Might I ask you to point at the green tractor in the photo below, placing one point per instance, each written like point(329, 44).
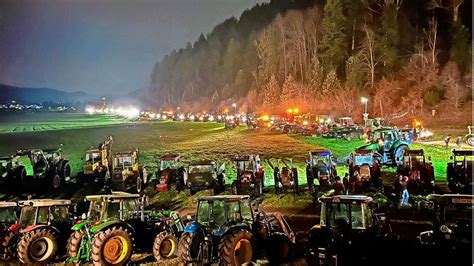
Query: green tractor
point(227, 231)
point(387, 145)
point(8, 216)
point(349, 232)
point(117, 225)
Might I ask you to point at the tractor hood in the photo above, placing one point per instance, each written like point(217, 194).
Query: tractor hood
point(368, 147)
point(191, 227)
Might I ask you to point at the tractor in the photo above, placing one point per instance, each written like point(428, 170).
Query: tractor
point(348, 232)
point(250, 175)
point(227, 231)
point(8, 216)
point(169, 173)
point(452, 223)
point(127, 172)
point(48, 167)
point(469, 136)
point(11, 172)
point(205, 175)
point(285, 177)
point(97, 163)
point(38, 236)
point(459, 171)
point(367, 168)
point(320, 166)
point(117, 225)
point(419, 170)
point(387, 145)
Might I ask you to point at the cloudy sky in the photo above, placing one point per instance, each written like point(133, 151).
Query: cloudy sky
point(99, 46)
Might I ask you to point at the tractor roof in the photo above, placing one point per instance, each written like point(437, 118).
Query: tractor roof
point(452, 198)
point(224, 198)
point(202, 162)
point(5, 158)
point(6, 204)
point(114, 195)
point(323, 152)
point(346, 199)
point(51, 150)
point(169, 157)
point(414, 152)
point(239, 158)
point(92, 150)
point(463, 152)
point(122, 153)
point(44, 202)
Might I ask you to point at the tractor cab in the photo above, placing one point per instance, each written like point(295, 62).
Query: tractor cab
point(346, 212)
point(127, 172)
point(387, 144)
point(43, 212)
point(8, 214)
point(459, 171)
point(205, 175)
point(124, 160)
point(419, 170)
point(366, 166)
point(250, 175)
point(452, 221)
point(345, 121)
point(93, 159)
point(170, 173)
point(53, 155)
point(320, 166)
point(117, 206)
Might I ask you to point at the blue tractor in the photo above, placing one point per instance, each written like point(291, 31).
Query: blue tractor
point(227, 231)
point(320, 166)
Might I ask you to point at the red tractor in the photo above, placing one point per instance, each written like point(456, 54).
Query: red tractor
point(250, 175)
point(169, 173)
point(285, 177)
point(419, 171)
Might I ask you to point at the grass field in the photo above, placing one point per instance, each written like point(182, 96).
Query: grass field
point(194, 141)
point(33, 122)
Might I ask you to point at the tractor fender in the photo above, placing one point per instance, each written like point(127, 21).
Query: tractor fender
point(108, 224)
point(79, 225)
point(397, 144)
point(35, 227)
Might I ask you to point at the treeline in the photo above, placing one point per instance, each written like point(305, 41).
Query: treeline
point(407, 57)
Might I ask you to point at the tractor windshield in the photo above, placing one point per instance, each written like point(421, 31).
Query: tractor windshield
point(7, 215)
point(122, 162)
point(164, 164)
point(200, 169)
point(92, 157)
point(28, 215)
point(95, 210)
point(334, 214)
point(211, 213)
point(246, 166)
point(320, 161)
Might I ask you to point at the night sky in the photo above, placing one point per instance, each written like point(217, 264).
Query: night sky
point(99, 46)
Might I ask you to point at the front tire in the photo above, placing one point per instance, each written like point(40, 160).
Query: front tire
point(236, 248)
point(73, 244)
point(111, 247)
point(37, 247)
point(9, 246)
point(165, 246)
point(188, 247)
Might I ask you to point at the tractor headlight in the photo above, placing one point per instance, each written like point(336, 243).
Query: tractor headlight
point(445, 229)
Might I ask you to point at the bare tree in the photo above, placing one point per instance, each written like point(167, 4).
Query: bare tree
point(432, 37)
point(368, 54)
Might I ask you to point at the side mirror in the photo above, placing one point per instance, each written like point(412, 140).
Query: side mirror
point(83, 216)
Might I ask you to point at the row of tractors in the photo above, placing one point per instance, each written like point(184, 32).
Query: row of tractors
point(228, 230)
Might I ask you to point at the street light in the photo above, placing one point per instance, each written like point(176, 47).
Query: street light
point(365, 100)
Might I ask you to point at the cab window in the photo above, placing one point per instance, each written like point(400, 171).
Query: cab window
point(43, 213)
point(60, 213)
point(246, 211)
point(233, 211)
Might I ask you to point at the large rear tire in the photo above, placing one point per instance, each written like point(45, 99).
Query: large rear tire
point(9, 246)
point(37, 247)
point(398, 155)
point(236, 248)
point(74, 243)
point(165, 246)
point(188, 247)
point(66, 172)
point(111, 247)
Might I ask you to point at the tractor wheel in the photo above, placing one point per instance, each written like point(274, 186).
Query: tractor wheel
point(165, 246)
point(278, 248)
point(144, 176)
point(301, 244)
point(188, 247)
point(66, 172)
point(111, 247)
point(236, 248)
point(37, 247)
point(74, 243)
point(20, 175)
point(469, 141)
point(398, 155)
point(9, 246)
point(139, 184)
point(55, 181)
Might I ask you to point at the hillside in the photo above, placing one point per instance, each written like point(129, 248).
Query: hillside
point(40, 95)
point(406, 56)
